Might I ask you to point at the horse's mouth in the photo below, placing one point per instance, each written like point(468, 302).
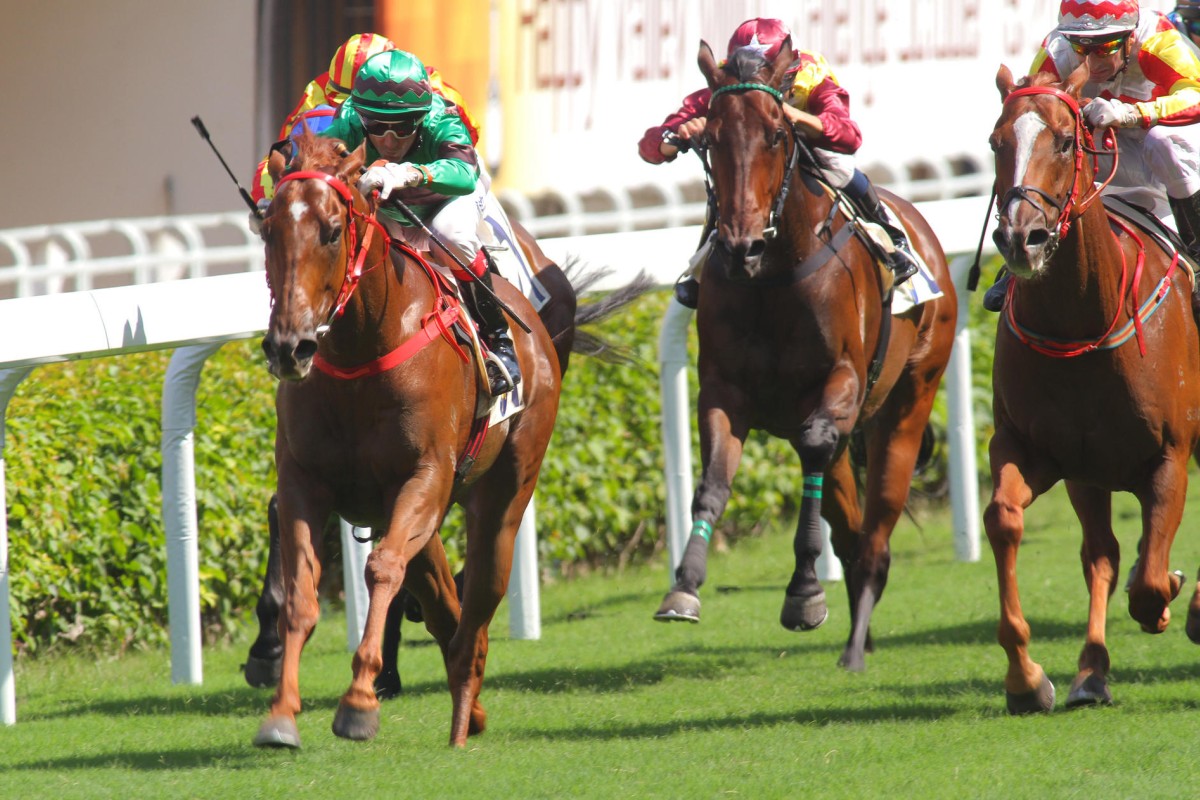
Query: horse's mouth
point(1026, 254)
point(742, 261)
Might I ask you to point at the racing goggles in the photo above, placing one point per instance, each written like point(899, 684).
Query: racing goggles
point(403, 126)
point(1088, 46)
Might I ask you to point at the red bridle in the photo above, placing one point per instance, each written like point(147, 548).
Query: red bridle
point(355, 255)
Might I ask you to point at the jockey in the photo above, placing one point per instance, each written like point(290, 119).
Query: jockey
point(1145, 78)
point(1186, 19)
point(818, 108)
point(420, 152)
point(330, 89)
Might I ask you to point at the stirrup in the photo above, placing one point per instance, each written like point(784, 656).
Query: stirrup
point(993, 298)
point(500, 382)
point(903, 266)
point(687, 292)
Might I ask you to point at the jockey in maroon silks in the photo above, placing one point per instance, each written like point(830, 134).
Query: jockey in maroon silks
point(818, 108)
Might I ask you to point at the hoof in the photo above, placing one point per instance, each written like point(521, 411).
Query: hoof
point(1089, 690)
point(262, 673)
point(852, 662)
point(1193, 625)
point(804, 613)
point(1039, 700)
point(351, 723)
point(387, 685)
point(679, 606)
point(278, 732)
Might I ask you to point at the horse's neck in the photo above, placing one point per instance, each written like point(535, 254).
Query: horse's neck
point(384, 310)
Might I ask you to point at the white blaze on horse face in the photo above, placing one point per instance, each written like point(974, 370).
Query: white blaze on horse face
point(298, 209)
point(1026, 129)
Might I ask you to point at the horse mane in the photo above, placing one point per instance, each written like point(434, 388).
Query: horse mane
point(745, 64)
point(310, 151)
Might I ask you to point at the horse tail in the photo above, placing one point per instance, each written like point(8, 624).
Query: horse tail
point(591, 344)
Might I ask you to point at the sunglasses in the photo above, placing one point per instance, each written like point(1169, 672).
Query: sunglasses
point(1091, 47)
point(403, 127)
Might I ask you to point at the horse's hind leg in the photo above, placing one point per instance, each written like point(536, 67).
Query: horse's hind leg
point(1101, 557)
point(722, 435)
point(266, 654)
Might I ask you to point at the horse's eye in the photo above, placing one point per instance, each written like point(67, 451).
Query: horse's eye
point(1068, 145)
point(779, 134)
point(330, 236)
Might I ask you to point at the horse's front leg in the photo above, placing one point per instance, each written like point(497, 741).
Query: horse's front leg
point(303, 510)
point(417, 512)
point(266, 653)
point(1101, 557)
point(723, 431)
point(804, 606)
point(1153, 586)
point(1026, 686)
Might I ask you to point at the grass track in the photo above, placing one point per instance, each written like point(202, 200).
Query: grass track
point(611, 704)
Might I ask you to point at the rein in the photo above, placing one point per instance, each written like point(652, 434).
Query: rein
point(437, 323)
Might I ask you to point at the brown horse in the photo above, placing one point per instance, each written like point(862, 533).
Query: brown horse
point(564, 319)
point(791, 316)
point(1096, 378)
point(384, 434)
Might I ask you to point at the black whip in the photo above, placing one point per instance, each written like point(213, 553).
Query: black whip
point(203, 131)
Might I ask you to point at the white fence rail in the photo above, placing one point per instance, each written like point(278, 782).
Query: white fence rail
point(197, 316)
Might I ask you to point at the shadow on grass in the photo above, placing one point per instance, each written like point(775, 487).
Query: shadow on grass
point(149, 761)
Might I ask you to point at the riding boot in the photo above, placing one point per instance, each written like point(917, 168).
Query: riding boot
point(504, 371)
point(687, 288)
point(900, 261)
point(1187, 222)
point(993, 298)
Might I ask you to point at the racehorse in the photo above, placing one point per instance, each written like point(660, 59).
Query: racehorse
point(564, 319)
point(793, 332)
point(377, 422)
point(1096, 379)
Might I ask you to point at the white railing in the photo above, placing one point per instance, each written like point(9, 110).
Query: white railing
point(197, 316)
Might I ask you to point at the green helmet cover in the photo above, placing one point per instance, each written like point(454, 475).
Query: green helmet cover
point(392, 84)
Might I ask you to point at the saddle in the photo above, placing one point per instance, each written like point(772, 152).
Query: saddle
point(1147, 222)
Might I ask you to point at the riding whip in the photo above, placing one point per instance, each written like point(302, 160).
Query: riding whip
point(203, 131)
point(408, 212)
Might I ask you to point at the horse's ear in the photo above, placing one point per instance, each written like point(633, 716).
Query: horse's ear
point(708, 65)
point(1076, 80)
point(779, 67)
point(352, 160)
point(276, 161)
point(1004, 81)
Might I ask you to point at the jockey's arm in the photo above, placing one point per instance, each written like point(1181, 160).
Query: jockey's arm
point(808, 124)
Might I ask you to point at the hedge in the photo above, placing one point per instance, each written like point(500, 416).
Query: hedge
point(87, 549)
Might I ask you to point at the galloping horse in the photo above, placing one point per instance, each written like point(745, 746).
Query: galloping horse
point(791, 317)
point(384, 432)
point(563, 319)
point(1096, 379)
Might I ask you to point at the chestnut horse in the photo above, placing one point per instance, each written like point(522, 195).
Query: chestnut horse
point(791, 316)
point(564, 319)
point(383, 433)
point(1096, 379)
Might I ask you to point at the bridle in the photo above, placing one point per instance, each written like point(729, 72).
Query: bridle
point(356, 254)
point(1073, 207)
point(776, 213)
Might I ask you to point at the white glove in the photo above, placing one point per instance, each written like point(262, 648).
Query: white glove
point(1105, 113)
point(389, 177)
point(255, 220)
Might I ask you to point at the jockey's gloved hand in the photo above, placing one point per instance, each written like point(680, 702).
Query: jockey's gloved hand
point(389, 177)
point(256, 218)
point(1105, 113)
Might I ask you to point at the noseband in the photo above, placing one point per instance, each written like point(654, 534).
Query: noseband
point(772, 229)
point(355, 254)
point(1083, 143)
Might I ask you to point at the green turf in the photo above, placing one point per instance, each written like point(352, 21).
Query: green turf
point(612, 704)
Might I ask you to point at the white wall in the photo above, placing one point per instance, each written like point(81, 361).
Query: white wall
point(98, 98)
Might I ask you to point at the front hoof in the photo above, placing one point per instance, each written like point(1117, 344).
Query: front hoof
point(1089, 689)
point(387, 685)
point(278, 732)
point(1038, 701)
point(804, 613)
point(1193, 624)
point(262, 673)
point(352, 723)
point(852, 662)
point(679, 606)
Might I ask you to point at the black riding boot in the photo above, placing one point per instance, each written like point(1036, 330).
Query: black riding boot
point(993, 298)
point(901, 262)
point(1187, 222)
point(493, 327)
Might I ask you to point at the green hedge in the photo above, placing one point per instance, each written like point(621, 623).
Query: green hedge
point(87, 554)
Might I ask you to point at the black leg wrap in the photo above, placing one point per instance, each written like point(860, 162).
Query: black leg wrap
point(504, 371)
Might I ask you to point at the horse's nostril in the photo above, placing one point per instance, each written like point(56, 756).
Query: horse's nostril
point(305, 349)
point(1038, 237)
point(268, 347)
point(756, 249)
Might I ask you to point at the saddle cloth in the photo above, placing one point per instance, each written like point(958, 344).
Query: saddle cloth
point(918, 289)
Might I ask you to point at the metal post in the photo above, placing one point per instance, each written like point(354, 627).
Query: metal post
point(354, 568)
point(964, 476)
point(676, 427)
point(9, 380)
point(524, 599)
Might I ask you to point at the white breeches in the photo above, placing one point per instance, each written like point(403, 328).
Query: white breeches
point(1164, 159)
